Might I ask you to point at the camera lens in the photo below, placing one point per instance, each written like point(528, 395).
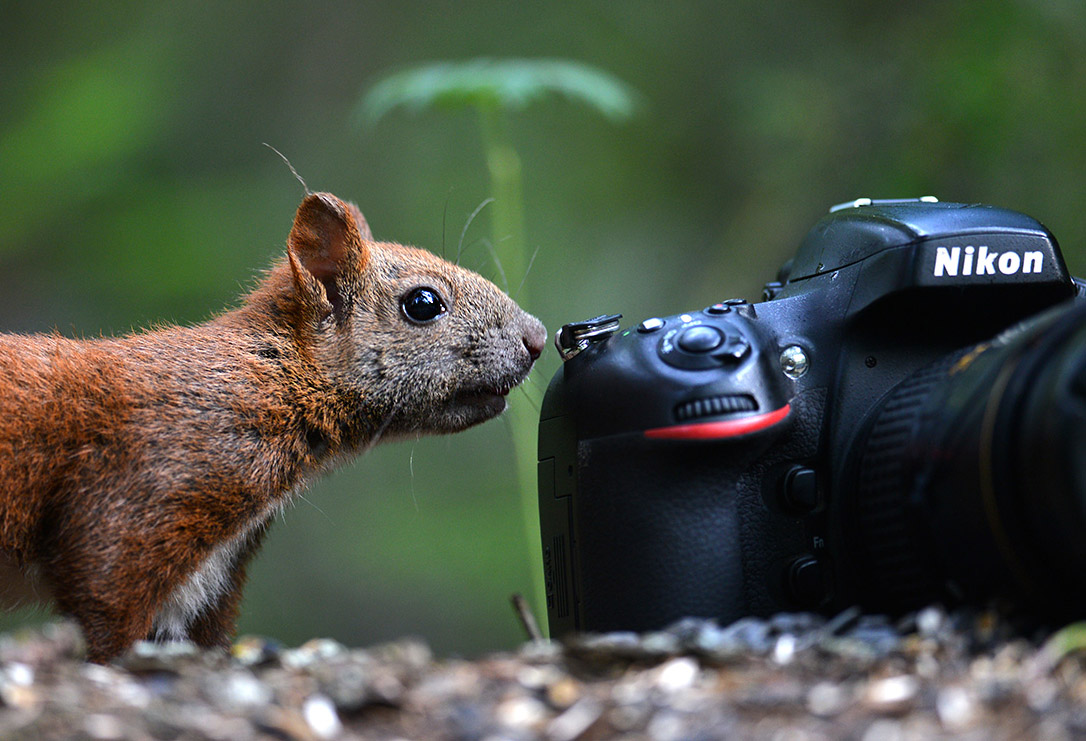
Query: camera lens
point(971, 482)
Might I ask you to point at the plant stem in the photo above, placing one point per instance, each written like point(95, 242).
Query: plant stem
point(508, 237)
point(507, 216)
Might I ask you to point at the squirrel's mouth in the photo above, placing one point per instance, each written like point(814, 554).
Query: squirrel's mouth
point(484, 395)
point(484, 401)
point(476, 402)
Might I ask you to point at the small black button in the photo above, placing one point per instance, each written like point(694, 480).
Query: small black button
point(718, 309)
point(700, 339)
point(806, 581)
point(799, 489)
point(736, 302)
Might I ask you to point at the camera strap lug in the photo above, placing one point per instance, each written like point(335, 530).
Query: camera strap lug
point(574, 337)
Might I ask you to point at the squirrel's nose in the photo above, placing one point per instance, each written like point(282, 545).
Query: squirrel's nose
point(534, 337)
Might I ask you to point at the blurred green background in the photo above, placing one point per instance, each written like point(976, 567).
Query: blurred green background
point(135, 189)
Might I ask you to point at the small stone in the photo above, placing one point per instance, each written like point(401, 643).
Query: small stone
point(574, 721)
point(792, 733)
point(784, 650)
point(410, 653)
point(100, 675)
point(1041, 694)
point(604, 645)
point(102, 726)
point(893, 694)
point(626, 718)
point(955, 707)
point(667, 726)
point(826, 699)
point(660, 644)
point(148, 656)
point(285, 723)
point(18, 674)
point(1051, 729)
point(255, 650)
point(564, 692)
point(742, 636)
point(884, 730)
point(17, 696)
point(876, 632)
point(321, 717)
point(238, 691)
point(677, 674)
point(633, 689)
point(796, 623)
point(537, 677)
point(17, 686)
point(351, 684)
point(521, 713)
point(929, 621)
point(131, 693)
point(927, 666)
point(540, 651)
point(318, 649)
point(687, 629)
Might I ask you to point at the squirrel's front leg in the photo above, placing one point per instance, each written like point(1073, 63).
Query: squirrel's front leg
point(215, 625)
point(121, 589)
point(112, 615)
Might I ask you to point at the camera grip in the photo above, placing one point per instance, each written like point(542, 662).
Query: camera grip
point(658, 527)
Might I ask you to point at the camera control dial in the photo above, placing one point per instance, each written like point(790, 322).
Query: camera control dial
point(700, 339)
point(703, 346)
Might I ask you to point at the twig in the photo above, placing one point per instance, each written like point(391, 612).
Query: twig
point(527, 619)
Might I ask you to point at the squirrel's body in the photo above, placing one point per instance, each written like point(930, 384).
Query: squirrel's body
point(138, 474)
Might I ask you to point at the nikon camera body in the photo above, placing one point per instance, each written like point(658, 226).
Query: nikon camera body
point(901, 420)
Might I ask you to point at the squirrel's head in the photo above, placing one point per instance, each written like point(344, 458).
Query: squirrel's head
point(426, 345)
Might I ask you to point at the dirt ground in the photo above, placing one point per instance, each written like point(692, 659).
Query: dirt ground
point(791, 677)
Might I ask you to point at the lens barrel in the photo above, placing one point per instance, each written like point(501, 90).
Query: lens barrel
point(971, 481)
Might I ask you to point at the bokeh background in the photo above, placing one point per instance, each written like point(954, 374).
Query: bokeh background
point(134, 189)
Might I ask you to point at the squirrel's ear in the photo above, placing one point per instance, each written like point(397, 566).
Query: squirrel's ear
point(327, 241)
point(360, 222)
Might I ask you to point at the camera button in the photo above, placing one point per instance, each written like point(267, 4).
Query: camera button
point(700, 339)
point(735, 347)
point(806, 581)
point(718, 309)
point(800, 489)
point(650, 325)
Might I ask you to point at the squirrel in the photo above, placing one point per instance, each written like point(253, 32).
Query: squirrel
point(138, 474)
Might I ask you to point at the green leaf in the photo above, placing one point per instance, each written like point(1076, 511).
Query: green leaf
point(1066, 641)
point(507, 84)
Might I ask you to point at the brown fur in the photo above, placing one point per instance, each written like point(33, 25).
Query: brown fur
point(126, 463)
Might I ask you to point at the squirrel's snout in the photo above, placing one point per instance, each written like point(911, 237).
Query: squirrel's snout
point(534, 337)
point(534, 350)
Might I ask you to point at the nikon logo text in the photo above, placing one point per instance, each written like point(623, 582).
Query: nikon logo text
point(982, 261)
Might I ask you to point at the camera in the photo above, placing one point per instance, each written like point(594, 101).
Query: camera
point(900, 420)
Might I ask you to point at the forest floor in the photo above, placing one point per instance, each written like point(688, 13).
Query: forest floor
point(790, 677)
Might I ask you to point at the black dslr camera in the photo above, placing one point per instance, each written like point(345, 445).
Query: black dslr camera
point(901, 420)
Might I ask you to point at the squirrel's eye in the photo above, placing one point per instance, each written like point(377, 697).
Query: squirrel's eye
point(422, 305)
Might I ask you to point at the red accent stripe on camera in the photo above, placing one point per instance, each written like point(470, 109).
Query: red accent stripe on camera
point(721, 429)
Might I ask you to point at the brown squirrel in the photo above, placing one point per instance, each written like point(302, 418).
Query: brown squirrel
point(138, 474)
